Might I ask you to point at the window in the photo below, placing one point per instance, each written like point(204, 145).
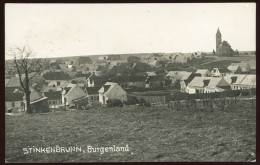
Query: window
point(54, 102)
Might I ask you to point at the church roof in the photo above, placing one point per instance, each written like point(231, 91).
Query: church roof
point(224, 44)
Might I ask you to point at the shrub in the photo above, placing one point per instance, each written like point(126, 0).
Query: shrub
point(244, 93)
point(132, 101)
point(114, 103)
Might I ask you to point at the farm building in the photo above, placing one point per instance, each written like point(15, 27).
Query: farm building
point(111, 91)
point(207, 85)
point(70, 93)
point(14, 101)
point(241, 81)
point(245, 68)
point(204, 72)
point(220, 72)
point(54, 99)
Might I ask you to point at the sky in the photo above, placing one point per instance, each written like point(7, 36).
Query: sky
point(59, 30)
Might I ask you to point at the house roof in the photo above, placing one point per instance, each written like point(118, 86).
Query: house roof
point(56, 76)
point(6, 82)
point(92, 90)
point(154, 78)
point(13, 82)
point(239, 78)
point(249, 80)
point(56, 95)
point(10, 97)
point(202, 71)
point(150, 73)
point(35, 95)
point(107, 87)
point(182, 75)
point(224, 44)
point(233, 68)
point(199, 81)
point(223, 70)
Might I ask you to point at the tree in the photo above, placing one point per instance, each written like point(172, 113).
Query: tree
point(133, 59)
point(27, 68)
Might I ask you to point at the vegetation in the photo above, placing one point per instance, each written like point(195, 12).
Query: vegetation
point(27, 68)
point(152, 134)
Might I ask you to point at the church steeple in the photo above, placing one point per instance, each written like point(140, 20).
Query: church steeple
point(218, 31)
point(218, 40)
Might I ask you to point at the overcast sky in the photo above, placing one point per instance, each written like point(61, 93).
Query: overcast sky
point(56, 30)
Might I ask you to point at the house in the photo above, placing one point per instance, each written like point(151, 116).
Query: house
point(38, 102)
point(96, 81)
point(245, 68)
point(56, 85)
point(207, 85)
point(54, 99)
point(220, 72)
point(121, 80)
point(71, 93)
point(136, 81)
point(81, 79)
point(57, 76)
point(111, 91)
point(184, 77)
point(235, 69)
point(14, 101)
point(64, 68)
point(92, 94)
point(241, 81)
point(154, 82)
point(204, 72)
point(141, 67)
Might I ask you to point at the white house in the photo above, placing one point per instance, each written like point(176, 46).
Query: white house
point(241, 81)
point(207, 85)
point(220, 72)
point(111, 91)
point(70, 93)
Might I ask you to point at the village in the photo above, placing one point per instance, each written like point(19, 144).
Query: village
point(84, 82)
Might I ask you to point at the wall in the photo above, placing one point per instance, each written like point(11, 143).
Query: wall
point(76, 93)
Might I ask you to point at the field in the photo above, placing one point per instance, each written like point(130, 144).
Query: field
point(153, 135)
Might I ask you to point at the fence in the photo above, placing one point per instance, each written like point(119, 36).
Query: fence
point(167, 97)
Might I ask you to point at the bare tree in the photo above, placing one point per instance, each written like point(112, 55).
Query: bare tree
point(27, 68)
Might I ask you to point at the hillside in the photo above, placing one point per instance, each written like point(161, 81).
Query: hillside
point(152, 134)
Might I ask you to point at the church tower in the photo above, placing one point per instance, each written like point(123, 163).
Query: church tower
point(218, 41)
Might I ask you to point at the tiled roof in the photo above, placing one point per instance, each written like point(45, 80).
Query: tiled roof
point(13, 82)
point(223, 70)
point(233, 68)
point(199, 81)
point(182, 75)
point(202, 71)
point(56, 95)
point(6, 81)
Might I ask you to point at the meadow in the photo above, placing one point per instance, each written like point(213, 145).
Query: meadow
point(153, 135)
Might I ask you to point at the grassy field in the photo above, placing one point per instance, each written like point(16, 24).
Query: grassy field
point(152, 135)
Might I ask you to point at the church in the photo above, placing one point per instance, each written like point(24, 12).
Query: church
point(222, 48)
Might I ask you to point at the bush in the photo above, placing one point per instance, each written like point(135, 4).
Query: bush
point(244, 93)
point(114, 103)
point(132, 101)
